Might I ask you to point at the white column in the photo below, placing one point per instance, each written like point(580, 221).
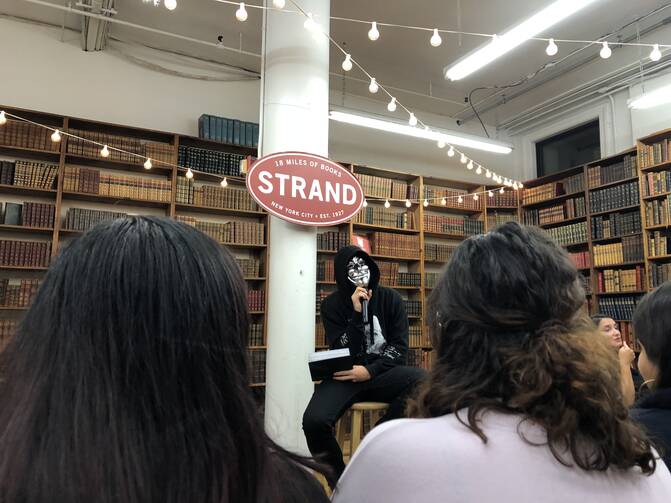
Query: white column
point(294, 116)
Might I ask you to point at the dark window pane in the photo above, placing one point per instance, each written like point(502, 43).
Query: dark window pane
point(574, 147)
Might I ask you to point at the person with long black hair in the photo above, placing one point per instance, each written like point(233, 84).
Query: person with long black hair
point(128, 379)
point(523, 403)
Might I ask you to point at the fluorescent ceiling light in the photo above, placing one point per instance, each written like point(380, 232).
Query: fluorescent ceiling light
point(457, 139)
point(648, 100)
point(539, 22)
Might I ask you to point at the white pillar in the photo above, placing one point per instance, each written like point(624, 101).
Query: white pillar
point(294, 116)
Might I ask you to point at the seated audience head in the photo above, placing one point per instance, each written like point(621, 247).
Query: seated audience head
point(511, 335)
point(128, 378)
point(652, 326)
point(608, 327)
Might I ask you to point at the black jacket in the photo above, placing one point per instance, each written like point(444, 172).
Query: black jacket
point(381, 345)
point(654, 412)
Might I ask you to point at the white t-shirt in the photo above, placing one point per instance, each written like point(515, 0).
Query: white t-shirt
point(440, 460)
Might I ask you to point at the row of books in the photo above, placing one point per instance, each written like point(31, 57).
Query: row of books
point(321, 295)
point(430, 279)
point(659, 273)
point(332, 240)
point(214, 196)
point(250, 267)
point(256, 300)
point(571, 208)
point(434, 252)
point(256, 334)
point(659, 243)
point(508, 199)
point(420, 358)
point(25, 135)
point(413, 307)
point(408, 279)
point(455, 226)
point(92, 181)
point(33, 174)
point(434, 195)
point(629, 250)
point(658, 212)
point(395, 245)
point(618, 308)
point(628, 336)
point(28, 214)
point(569, 185)
point(18, 293)
point(384, 188)
point(325, 270)
point(233, 131)
point(320, 335)
point(586, 279)
point(82, 219)
point(498, 218)
point(581, 259)
point(601, 175)
point(210, 161)
point(7, 330)
point(621, 280)
point(234, 232)
point(656, 183)
point(388, 272)
point(656, 153)
point(415, 338)
point(612, 198)
point(569, 234)
point(257, 364)
point(154, 150)
point(377, 215)
point(616, 224)
point(15, 253)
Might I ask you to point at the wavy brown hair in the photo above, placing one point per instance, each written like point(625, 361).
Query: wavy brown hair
point(511, 335)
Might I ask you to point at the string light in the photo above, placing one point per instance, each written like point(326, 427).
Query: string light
point(490, 193)
point(501, 191)
point(655, 54)
point(515, 186)
point(488, 174)
point(105, 151)
point(479, 170)
point(443, 201)
point(224, 182)
point(170, 4)
point(56, 136)
point(475, 197)
point(450, 153)
point(605, 51)
point(470, 165)
point(347, 63)
point(460, 200)
point(392, 105)
point(387, 204)
point(373, 33)
point(441, 144)
point(435, 40)
point(463, 159)
point(365, 203)
point(520, 185)
point(552, 48)
point(408, 203)
point(426, 203)
point(373, 87)
point(3, 119)
point(147, 163)
point(189, 174)
point(412, 120)
point(279, 4)
point(241, 13)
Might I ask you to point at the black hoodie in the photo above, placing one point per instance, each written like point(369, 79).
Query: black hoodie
point(654, 412)
point(381, 345)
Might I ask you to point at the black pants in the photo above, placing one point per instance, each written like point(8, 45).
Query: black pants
point(331, 400)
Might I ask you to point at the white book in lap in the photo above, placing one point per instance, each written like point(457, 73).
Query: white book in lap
point(323, 364)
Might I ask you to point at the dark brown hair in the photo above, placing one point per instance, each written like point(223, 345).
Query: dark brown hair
point(652, 325)
point(511, 336)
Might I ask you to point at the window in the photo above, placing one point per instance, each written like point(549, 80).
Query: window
point(574, 147)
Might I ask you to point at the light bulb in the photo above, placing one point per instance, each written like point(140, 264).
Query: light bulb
point(347, 63)
point(189, 174)
point(426, 203)
point(408, 203)
point(224, 183)
point(392, 105)
point(460, 200)
point(386, 204)
point(3, 119)
point(470, 165)
point(435, 38)
point(365, 203)
point(520, 185)
point(475, 197)
point(463, 159)
point(105, 151)
point(488, 174)
point(515, 186)
point(552, 48)
point(443, 201)
point(147, 163)
point(490, 194)
point(279, 4)
point(241, 13)
point(655, 54)
point(373, 87)
point(441, 144)
point(412, 120)
point(479, 170)
point(501, 191)
point(373, 33)
point(309, 23)
point(605, 51)
point(450, 153)
point(56, 136)
point(170, 4)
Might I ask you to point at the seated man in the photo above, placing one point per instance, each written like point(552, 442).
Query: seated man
point(371, 321)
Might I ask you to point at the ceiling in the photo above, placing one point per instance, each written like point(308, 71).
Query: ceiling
point(400, 58)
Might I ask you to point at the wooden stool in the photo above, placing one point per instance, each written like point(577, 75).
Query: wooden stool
point(356, 412)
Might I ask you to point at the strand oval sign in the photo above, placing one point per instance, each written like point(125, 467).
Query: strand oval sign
point(305, 189)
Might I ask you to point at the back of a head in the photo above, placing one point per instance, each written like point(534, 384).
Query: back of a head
point(652, 325)
point(510, 334)
point(128, 379)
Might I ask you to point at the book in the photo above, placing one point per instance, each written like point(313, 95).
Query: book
point(12, 214)
point(323, 364)
point(438, 252)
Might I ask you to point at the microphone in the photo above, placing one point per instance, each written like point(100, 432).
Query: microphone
point(364, 303)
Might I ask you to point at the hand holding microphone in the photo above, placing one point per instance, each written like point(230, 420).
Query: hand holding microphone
point(360, 299)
